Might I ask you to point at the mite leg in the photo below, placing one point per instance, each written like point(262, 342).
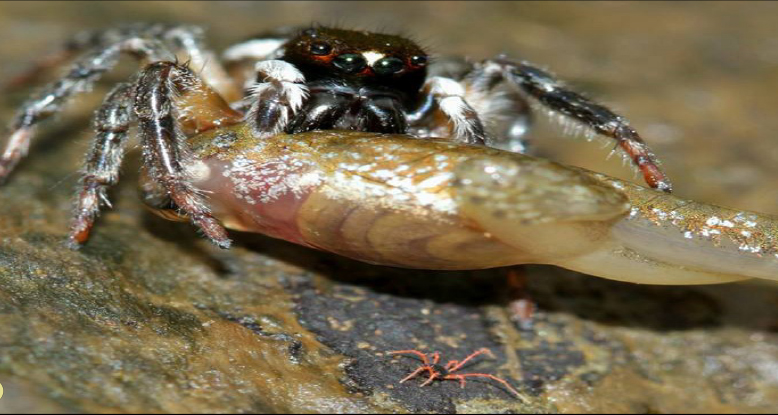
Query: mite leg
point(417, 353)
point(455, 365)
point(414, 374)
point(164, 151)
point(276, 97)
point(111, 123)
point(448, 95)
point(82, 75)
point(433, 375)
point(554, 96)
point(461, 379)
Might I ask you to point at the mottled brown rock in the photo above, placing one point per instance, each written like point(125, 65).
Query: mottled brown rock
point(150, 318)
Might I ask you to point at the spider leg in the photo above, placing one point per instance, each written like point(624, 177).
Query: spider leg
point(278, 94)
point(163, 147)
point(448, 95)
point(78, 44)
point(553, 95)
point(187, 42)
point(101, 170)
point(461, 378)
point(39, 69)
point(504, 112)
point(258, 48)
point(454, 365)
point(198, 107)
point(82, 75)
point(240, 58)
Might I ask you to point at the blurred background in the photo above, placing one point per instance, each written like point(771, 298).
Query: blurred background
point(696, 79)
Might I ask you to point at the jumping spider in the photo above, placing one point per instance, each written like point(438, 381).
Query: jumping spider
point(303, 80)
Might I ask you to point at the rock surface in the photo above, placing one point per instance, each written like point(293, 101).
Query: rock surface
point(150, 318)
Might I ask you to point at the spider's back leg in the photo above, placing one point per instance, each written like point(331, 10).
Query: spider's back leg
point(100, 52)
point(50, 100)
point(101, 170)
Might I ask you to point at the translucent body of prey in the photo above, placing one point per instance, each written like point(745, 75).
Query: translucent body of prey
point(432, 204)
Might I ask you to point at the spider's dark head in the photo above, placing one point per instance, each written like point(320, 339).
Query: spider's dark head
point(360, 57)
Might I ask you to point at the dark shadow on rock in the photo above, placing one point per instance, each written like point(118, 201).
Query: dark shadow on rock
point(552, 289)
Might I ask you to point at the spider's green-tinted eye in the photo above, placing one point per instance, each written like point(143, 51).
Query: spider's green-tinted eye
point(418, 60)
point(388, 66)
point(320, 48)
point(350, 63)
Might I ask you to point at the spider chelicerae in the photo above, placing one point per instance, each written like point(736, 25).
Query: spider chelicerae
point(288, 81)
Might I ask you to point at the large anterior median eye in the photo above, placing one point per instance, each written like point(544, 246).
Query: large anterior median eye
point(388, 66)
point(321, 48)
point(350, 62)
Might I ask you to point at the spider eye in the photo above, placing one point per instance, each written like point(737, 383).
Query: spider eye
point(418, 60)
point(350, 63)
point(321, 48)
point(388, 66)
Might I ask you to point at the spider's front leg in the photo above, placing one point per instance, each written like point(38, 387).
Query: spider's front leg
point(276, 97)
point(448, 95)
point(197, 108)
point(164, 150)
point(552, 94)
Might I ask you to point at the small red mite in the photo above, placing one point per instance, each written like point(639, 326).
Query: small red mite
point(438, 372)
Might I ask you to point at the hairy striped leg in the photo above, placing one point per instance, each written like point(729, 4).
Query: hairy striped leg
point(100, 52)
point(198, 108)
point(101, 170)
point(164, 150)
point(185, 41)
point(51, 99)
point(554, 96)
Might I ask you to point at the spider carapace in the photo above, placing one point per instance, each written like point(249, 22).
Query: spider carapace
point(356, 80)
